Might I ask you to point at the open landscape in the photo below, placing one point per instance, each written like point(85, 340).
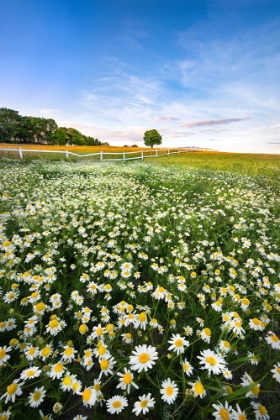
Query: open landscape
point(145, 289)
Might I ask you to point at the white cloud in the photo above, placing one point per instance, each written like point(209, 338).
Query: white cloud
point(47, 111)
point(213, 122)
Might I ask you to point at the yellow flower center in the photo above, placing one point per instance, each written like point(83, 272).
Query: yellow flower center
point(83, 328)
point(142, 317)
point(110, 327)
point(178, 342)
point(199, 388)
point(67, 380)
point(256, 321)
point(104, 364)
point(12, 389)
point(274, 338)
point(207, 331)
point(68, 351)
point(143, 403)
point(99, 331)
point(255, 390)
point(54, 324)
point(161, 289)
point(144, 357)
point(58, 367)
point(245, 301)
point(31, 351)
point(46, 351)
point(224, 414)
point(31, 372)
point(169, 390)
point(117, 404)
point(262, 409)
point(97, 387)
point(186, 366)
point(40, 307)
point(127, 378)
point(86, 394)
point(211, 360)
point(36, 395)
point(101, 350)
point(128, 335)
point(2, 353)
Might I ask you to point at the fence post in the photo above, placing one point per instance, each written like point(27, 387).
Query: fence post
point(124, 156)
point(168, 152)
point(101, 155)
point(142, 154)
point(156, 152)
point(67, 155)
point(20, 153)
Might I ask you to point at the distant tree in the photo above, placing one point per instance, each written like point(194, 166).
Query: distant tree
point(134, 145)
point(60, 136)
point(10, 125)
point(43, 129)
point(152, 137)
point(15, 128)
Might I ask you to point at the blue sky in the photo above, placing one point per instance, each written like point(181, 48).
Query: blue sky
point(202, 72)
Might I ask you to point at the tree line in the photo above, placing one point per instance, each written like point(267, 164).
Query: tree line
point(15, 128)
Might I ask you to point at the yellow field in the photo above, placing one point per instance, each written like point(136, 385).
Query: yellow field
point(74, 149)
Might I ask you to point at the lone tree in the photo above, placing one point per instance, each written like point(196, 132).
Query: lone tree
point(152, 137)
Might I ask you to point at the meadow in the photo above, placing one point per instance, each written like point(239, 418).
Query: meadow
point(140, 290)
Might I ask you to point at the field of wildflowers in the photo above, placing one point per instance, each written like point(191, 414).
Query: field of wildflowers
point(138, 291)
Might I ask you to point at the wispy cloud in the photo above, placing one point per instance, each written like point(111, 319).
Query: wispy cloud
point(160, 118)
point(213, 122)
point(175, 134)
point(134, 135)
point(47, 111)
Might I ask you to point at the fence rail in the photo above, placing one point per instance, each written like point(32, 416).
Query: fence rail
point(101, 156)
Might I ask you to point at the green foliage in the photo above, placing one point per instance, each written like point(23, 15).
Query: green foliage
point(152, 137)
point(15, 128)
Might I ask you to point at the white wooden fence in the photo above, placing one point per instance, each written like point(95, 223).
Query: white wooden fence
point(101, 156)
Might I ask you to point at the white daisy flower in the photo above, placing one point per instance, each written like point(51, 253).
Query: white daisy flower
point(255, 390)
point(223, 412)
point(169, 391)
point(13, 390)
point(273, 340)
point(212, 362)
point(188, 369)
point(144, 358)
point(260, 411)
point(198, 389)
point(239, 414)
point(116, 404)
point(106, 366)
point(89, 396)
point(276, 371)
point(144, 404)
point(206, 335)
point(178, 343)
point(126, 380)
point(3, 354)
point(56, 371)
point(36, 397)
point(30, 373)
